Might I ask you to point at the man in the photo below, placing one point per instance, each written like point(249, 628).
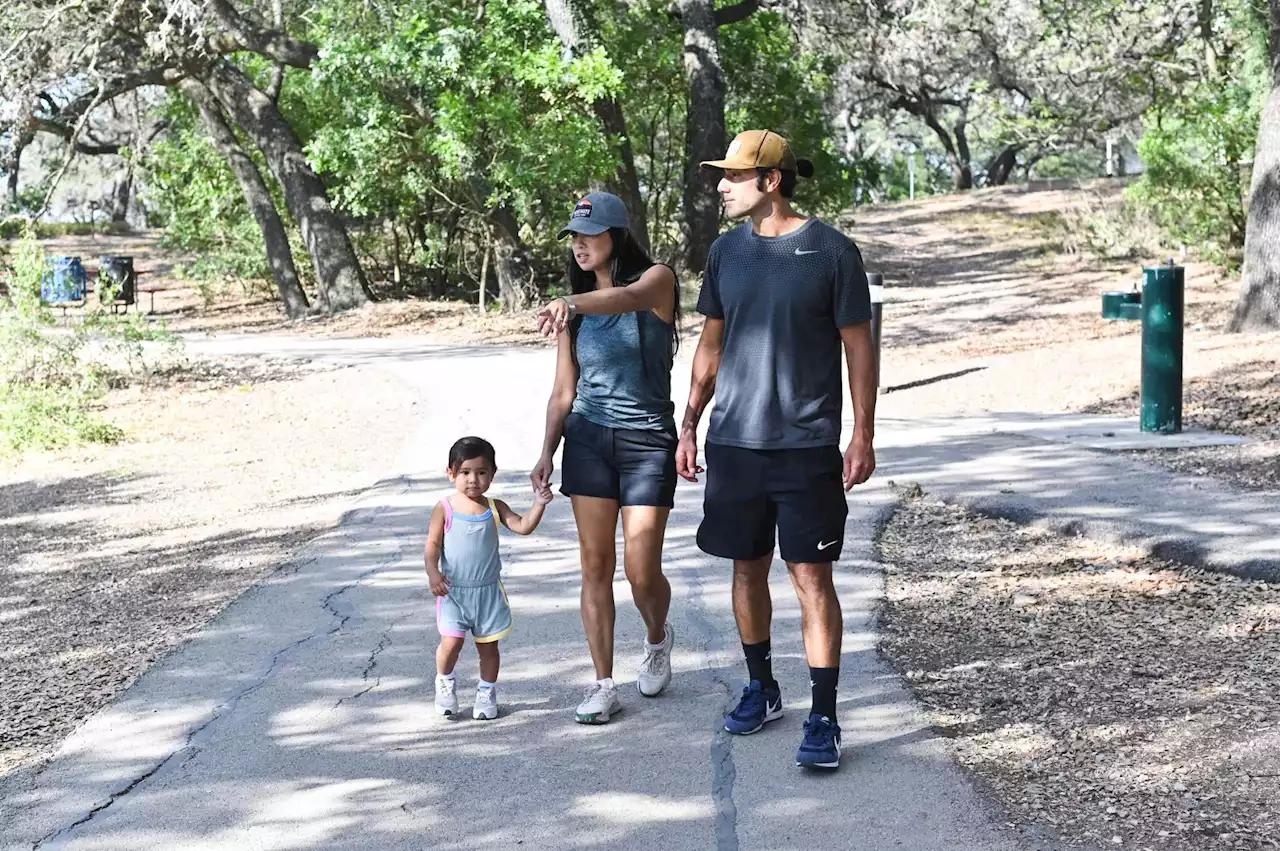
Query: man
point(782, 296)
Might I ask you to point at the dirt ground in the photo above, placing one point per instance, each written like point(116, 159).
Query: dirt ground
point(1243, 400)
point(112, 555)
point(1117, 700)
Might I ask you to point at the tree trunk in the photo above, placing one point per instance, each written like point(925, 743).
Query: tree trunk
point(20, 136)
point(338, 271)
point(511, 260)
point(579, 35)
point(10, 167)
point(961, 171)
point(256, 195)
point(626, 182)
point(121, 192)
point(1259, 303)
point(704, 130)
point(1002, 165)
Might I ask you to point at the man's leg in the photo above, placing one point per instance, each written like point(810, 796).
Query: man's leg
point(823, 625)
point(753, 610)
point(738, 523)
point(811, 515)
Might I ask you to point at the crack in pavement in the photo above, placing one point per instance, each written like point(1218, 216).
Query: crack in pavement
point(224, 708)
point(228, 706)
point(383, 643)
point(723, 771)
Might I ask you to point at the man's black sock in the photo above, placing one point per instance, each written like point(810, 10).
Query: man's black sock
point(759, 664)
point(823, 682)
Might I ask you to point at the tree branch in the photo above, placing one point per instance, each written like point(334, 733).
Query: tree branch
point(277, 73)
point(92, 147)
point(116, 86)
point(243, 35)
point(739, 11)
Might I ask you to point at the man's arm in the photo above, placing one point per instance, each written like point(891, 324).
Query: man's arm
point(860, 354)
point(706, 365)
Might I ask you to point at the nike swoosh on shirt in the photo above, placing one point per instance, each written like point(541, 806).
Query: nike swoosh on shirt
point(800, 253)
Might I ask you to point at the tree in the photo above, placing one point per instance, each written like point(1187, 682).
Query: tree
point(337, 268)
point(705, 137)
point(575, 25)
point(473, 133)
point(162, 42)
point(256, 195)
point(1259, 303)
point(999, 80)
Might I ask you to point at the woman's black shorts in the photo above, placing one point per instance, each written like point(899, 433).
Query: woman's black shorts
point(632, 466)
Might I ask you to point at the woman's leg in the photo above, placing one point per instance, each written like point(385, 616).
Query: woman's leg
point(447, 654)
point(643, 529)
point(490, 660)
point(597, 521)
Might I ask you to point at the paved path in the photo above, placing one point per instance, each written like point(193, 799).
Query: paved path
point(300, 717)
point(1049, 469)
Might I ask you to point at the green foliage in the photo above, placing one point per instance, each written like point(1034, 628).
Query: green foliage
point(51, 378)
point(646, 45)
point(773, 84)
point(44, 396)
point(434, 122)
point(15, 226)
point(423, 120)
point(198, 201)
point(1198, 142)
point(1196, 181)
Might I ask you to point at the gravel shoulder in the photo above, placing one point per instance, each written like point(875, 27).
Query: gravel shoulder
point(1242, 400)
point(110, 556)
point(1121, 701)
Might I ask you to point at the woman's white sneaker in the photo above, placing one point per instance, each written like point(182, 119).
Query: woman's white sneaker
point(598, 704)
point(655, 670)
point(446, 696)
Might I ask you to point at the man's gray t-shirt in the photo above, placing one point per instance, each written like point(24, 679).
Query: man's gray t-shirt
point(783, 300)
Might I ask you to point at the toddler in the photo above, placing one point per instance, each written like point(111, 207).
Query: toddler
point(465, 572)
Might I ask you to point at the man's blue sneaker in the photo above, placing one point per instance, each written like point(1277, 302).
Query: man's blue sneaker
point(821, 745)
point(759, 706)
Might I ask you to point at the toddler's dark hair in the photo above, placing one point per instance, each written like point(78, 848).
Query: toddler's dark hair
point(471, 447)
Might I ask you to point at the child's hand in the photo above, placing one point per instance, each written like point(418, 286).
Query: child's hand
point(439, 585)
point(543, 496)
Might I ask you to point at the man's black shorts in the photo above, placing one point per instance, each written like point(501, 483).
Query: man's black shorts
point(750, 492)
point(632, 466)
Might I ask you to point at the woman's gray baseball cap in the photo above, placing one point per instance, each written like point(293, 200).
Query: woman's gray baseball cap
point(595, 214)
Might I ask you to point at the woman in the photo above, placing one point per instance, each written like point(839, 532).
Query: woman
point(612, 404)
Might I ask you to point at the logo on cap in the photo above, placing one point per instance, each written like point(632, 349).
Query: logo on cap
point(734, 147)
point(583, 210)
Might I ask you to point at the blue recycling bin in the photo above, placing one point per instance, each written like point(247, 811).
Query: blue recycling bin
point(66, 281)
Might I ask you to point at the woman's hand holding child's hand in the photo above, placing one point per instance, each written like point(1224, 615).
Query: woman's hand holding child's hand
point(543, 496)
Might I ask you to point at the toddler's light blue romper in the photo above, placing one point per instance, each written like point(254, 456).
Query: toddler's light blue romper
point(476, 602)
